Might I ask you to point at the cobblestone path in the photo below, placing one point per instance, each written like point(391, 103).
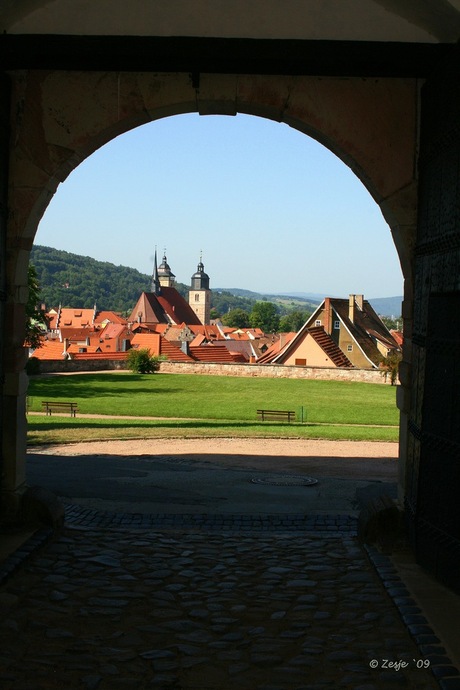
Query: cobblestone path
point(223, 609)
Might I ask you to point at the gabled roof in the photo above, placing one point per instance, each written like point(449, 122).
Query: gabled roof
point(109, 316)
point(113, 330)
point(331, 349)
point(276, 348)
point(365, 327)
point(166, 307)
point(176, 306)
point(159, 346)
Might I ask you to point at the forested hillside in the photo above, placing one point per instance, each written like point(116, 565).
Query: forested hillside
point(72, 280)
point(79, 281)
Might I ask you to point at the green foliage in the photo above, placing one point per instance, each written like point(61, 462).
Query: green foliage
point(72, 280)
point(293, 322)
point(264, 315)
point(390, 366)
point(35, 318)
point(223, 302)
point(236, 318)
point(142, 362)
point(392, 323)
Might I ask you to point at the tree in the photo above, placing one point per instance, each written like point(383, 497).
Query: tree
point(35, 318)
point(390, 366)
point(214, 314)
point(236, 318)
point(293, 321)
point(264, 315)
point(142, 362)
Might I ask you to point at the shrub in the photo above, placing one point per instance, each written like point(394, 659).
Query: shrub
point(33, 366)
point(142, 362)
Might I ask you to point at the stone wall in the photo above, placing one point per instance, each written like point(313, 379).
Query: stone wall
point(263, 370)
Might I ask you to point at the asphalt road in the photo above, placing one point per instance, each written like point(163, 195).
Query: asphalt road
point(155, 484)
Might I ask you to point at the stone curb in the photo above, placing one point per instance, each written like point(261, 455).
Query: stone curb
point(23, 553)
point(429, 645)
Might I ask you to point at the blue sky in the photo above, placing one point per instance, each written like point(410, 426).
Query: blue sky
point(270, 209)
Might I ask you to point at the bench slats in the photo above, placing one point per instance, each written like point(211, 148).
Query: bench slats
point(50, 406)
point(276, 414)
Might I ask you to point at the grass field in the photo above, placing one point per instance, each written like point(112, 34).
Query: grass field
point(195, 405)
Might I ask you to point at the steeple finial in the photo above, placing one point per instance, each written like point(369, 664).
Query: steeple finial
point(156, 289)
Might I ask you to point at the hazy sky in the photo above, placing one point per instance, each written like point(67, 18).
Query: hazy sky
point(270, 209)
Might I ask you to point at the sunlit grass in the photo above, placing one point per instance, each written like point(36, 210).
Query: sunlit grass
point(219, 397)
point(51, 430)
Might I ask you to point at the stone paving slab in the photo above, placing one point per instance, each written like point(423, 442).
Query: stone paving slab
point(211, 609)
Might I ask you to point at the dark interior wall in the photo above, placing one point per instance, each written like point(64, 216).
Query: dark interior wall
point(5, 93)
point(433, 480)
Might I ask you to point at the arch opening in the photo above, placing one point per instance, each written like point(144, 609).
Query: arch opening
point(145, 143)
point(67, 138)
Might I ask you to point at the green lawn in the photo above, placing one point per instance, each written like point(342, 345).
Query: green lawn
point(211, 406)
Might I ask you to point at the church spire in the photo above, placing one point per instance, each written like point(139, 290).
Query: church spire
point(156, 289)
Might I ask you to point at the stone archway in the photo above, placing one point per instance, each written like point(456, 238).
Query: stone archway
point(60, 118)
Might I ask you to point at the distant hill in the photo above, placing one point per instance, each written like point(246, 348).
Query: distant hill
point(286, 300)
point(73, 280)
point(387, 306)
point(384, 306)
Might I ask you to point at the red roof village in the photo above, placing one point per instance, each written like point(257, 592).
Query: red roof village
point(341, 333)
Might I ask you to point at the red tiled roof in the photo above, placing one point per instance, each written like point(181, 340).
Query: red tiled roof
point(110, 316)
point(159, 346)
point(99, 355)
point(50, 349)
point(168, 306)
point(398, 336)
point(276, 348)
point(215, 353)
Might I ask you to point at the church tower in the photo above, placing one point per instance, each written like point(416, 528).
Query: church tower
point(162, 275)
point(199, 296)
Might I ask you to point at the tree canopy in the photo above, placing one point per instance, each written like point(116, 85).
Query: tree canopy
point(265, 315)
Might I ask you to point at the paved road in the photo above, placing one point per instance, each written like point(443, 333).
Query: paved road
point(184, 485)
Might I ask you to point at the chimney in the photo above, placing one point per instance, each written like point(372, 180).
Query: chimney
point(351, 308)
point(360, 301)
point(327, 315)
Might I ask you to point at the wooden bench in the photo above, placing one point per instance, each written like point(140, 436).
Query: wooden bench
point(50, 407)
point(276, 414)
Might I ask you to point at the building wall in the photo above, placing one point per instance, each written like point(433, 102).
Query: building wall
point(309, 350)
point(200, 302)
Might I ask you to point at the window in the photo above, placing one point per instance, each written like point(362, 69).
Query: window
point(336, 324)
point(349, 348)
point(318, 322)
point(197, 298)
point(301, 362)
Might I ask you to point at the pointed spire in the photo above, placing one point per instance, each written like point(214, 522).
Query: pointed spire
point(156, 289)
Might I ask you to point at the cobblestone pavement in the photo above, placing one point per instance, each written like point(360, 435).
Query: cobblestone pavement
point(249, 604)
